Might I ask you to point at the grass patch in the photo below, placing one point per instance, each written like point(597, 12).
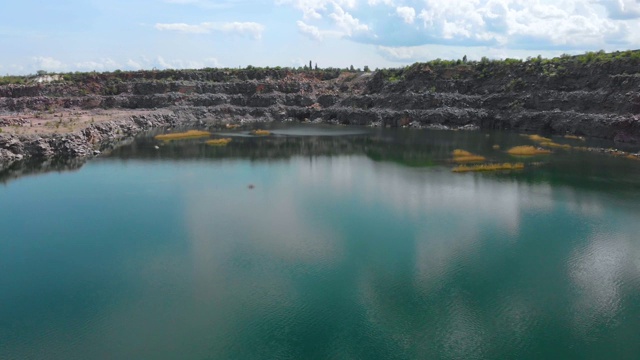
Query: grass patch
point(460, 156)
point(219, 142)
point(527, 150)
point(261, 132)
point(191, 134)
point(488, 167)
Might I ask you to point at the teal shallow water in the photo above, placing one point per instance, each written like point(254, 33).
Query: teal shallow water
point(353, 246)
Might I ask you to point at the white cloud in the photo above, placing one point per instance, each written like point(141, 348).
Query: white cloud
point(407, 13)
point(239, 28)
point(133, 65)
point(376, 2)
point(185, 28)
point(46, 63)
point(622, 9)
point(346, 22)
point(313, 9)
point(101, 65)
point(208, 4)
point(311, 31)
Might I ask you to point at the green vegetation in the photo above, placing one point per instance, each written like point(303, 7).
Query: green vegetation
point(437, 68)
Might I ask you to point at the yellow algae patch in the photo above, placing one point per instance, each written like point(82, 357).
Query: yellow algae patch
point(219, 142)
point(460, 155)
point(574, 137)
point(460, 152)
point(538, 138)
point(489, 167)
point(183, 135)
point(555, 145)
point(261, 132)
point(527, 150)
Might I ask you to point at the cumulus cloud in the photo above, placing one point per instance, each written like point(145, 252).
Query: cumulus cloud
point(99, 65)
point(313, 9)
point(540, 25)
point(311, 31)
point(407, 13)
point(208, 4)
point(622, 9)
point(346, 22)
point(46, 63)
point(239, 28)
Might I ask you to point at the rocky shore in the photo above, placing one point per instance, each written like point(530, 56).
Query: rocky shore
point(83, 114)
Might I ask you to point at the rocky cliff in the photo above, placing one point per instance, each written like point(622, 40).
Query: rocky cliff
point(594, 95)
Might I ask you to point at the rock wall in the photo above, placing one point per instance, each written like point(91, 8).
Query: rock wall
point(562, 96)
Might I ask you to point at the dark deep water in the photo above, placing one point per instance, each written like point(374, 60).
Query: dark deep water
point(354, 244)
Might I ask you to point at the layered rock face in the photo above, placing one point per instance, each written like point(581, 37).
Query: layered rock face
point(562, 96)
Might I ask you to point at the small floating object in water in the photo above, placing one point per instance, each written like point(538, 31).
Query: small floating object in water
point(261, 132)
point(527, 150)
point(489, 167)
point(183, 135)
point(251, 186)
point(232, 126)
point(156, 147)
point(460, 155)
point(219, 142)
point(496, 147)
point(574, 137)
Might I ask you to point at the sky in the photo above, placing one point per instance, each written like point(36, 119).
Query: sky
point(101, 35)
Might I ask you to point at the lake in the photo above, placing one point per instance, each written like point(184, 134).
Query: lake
point(324, 243)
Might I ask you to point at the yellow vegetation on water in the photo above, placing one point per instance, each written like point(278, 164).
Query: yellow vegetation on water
point(633, 157)
point(460, 152)
point(219, 142)
point(527, 150)
point(261, 132)
point(489, 167)
point(538, 138)
point(460, 155)
point(555, 145)
point(183, 135)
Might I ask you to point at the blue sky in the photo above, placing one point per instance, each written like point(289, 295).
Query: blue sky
point(87, 35)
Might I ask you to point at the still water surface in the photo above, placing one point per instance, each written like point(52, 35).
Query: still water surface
point(351, 245)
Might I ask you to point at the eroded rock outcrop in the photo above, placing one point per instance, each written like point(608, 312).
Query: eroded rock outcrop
point(569, 95)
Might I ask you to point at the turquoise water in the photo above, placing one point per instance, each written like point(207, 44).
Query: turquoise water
point(350, 245)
